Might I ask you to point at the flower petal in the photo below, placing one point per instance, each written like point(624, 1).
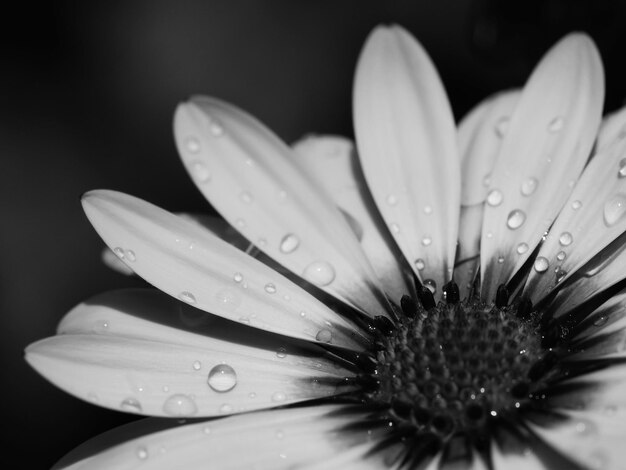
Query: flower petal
point(187, 262)
point(407, 144)
point(331, 161)
point(128, 350)
point(546, 145)
point(515, 461)
point(257, 188)
point(612, 130)
point(593, 217)
point(480, 135)
point(275, 439)
point(112, 260)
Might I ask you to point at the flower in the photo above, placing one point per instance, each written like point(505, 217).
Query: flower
point(440, 305)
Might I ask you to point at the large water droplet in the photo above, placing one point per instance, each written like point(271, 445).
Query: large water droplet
point(566, 239)
point(131, 405)
point(270, 288)
point(187, 297)
point(529, 186)
point(614, 209)
point(561, 255)
point(559, 275)
point(200, 172)
point(246, 197)
point(522, 248)
point(495, 197)
point(192, 145)
point(515, 219)
point(222, 378)
point(180, 405)
point(289, 243)
point(228, 299)
point(281, 353)
point(502, 125)
point(324, 336)
point(621, 173)
point(541, 264)
point(320, 273)
point(556, 124)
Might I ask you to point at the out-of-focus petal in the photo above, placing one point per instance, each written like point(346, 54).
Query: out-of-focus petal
point(613, 129)
point(187, 262)
point(515, 461)
point(278, 439)
point(332, 162)
point(546, 145)
point(250, 177)
point(126, 350)
point(406, 140)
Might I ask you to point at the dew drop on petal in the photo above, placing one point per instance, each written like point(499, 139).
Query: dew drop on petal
point(614, 209)
point(559, 274)
point(131, 405)
point(192, 145)
point(180, 405)
point(226, 408)
point(200, 172)
point(270, 288)
point(621, 173)
point(395, 228)
point(279, 396)
point(216, 128)
point(187, 297)
point(502, 126)
point(500, 259)
point(324, 336)
point(320, 273)
point(142, 453)
point(289, 243)
point(119, 252)
point(228, 299)
point(566, 239)
point(495, 197)
point(222, 378)
point(130, 256)
point(420, 264)
point(197, 365)
point(529, 186)
point(576, 205)
point(426, 241)
point(431, 285)
point(541, 264)
point(522, 248)
point(237, 277)
point(246, 197)
point(281, 353)
point(601, 320)
point(515, 219)
point(392, 200)
point(556, 124)
point(561, 255)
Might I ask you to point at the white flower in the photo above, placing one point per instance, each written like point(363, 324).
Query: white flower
point(456, 301)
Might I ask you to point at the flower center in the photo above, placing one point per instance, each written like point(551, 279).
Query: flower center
point(451, 368)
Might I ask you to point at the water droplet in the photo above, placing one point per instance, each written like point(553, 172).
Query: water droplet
point(216, 128)
point(556, 124)
point(559, 275)
point(119, 252)
point(601, 320)
point(228, 299)
point(395, 228)
point(246, 197)
point(252, 395)
point(237, 277)
point(289, 243)
point(131, 405)
point(566, 239)
point(614, 209)
point(392, 200)
point(500, 259)
point(187, 297)
point(430, 285)
point(222, 378)
point(489, 234)
point(495, 197)
point(426, 241)
point(541, 264)
point(130, 256)
point(324, 336)
point(420, 264)
point(200, 172)
point(621, 173)
point(561, 255)
point(192, 145)
point(281, 353)
point(180, 405)
point(270, 288)
point(320, 273)
point(279, 396)
point(522, 248)
point(576, 205)
point(226, 408)
point(529, 186)
point(197, 365)
point(515, 219)
point(142, 453)
point(428, 210)
point(502, 125)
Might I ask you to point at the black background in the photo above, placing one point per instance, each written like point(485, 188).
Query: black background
point(87, 93)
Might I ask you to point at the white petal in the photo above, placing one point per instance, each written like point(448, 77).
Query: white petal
point(250, 177)
point(594, 216)
point(546, 145)
point(129, 350)
point(612, 130)
point(113, 260)
point(407, 144)
point(221, 229)
point(274, 439)
point(187, 262)
point(514, 461)
point(331, 161)
point(480, 135)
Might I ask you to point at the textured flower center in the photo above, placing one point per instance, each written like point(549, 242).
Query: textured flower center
point(451, 368)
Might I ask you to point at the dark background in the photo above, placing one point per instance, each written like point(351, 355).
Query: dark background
point(87, 92)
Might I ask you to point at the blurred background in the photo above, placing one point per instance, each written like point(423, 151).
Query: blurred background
point(88, 90)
